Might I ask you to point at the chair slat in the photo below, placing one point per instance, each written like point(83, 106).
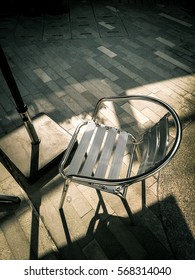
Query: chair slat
point(154, 145)
point(106, 153)
point(118, 155)
point(144, 152)
point(94, 151)
point(164, 138)
point(131, 155)
point(82, 149)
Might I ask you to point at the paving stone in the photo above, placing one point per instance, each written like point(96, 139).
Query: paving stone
point(75, 84)
point(84, 30)
point(8, 27)
point(111, 26)
point(132, 246)
point(113, 86)
point(151, 244)
point(25, 80)
point(77, 97)
point(97, 224)
point(6, 252)
point(166, 42)
point(56, 27)
point(61, 71)
point(54, 87)
point(17, 228)
point(42, 75)
point(107, 51)
point(150, 220)
point(103, 90)
point(176, 20)
point(125, 82)
point(6, 102)
point(102, 69)
point(95, 93)
point(106, 63)
point(165, 64)
point(29, 28)
point(174, 61)
point(94, 251)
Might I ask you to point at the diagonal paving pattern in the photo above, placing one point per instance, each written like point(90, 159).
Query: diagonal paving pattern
point(63, 65)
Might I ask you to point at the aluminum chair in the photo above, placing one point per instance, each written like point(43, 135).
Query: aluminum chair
point(109, 158)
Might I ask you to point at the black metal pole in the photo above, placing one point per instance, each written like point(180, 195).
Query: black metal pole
point(20, 105)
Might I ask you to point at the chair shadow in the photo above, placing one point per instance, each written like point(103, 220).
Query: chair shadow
point(179, 237)
point(92, 231)
point(175, 224)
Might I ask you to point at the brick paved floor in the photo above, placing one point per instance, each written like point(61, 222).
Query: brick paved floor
point(63, 65)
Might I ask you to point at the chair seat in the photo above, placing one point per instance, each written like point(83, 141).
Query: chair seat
point(100, 152)
point(102, 149)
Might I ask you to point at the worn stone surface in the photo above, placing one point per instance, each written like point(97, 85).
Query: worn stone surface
point(177, 197)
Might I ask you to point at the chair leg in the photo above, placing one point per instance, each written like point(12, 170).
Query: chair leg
point(127, 208)
point(10, 198)
point(143, 194)
point(64, 192)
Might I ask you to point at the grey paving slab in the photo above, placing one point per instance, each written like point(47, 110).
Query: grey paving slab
point(132, 246)
point(84, 29)
point(111, 27)
point(83, 24)
point(104, 237)
point(30, 28)
point(92, 250)
point(6, 102)
point(80, 99)
point(56, 27)
point(7, 27)
point(17, 238)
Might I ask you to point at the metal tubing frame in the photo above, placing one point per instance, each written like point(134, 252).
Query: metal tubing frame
point(30, 127)
point(64, 193)
point(86, 180)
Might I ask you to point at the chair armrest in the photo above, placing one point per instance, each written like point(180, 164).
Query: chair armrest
point(135, 97)
point(144, 98)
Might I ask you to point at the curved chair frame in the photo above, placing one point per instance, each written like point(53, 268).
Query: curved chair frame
point(119, 186)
